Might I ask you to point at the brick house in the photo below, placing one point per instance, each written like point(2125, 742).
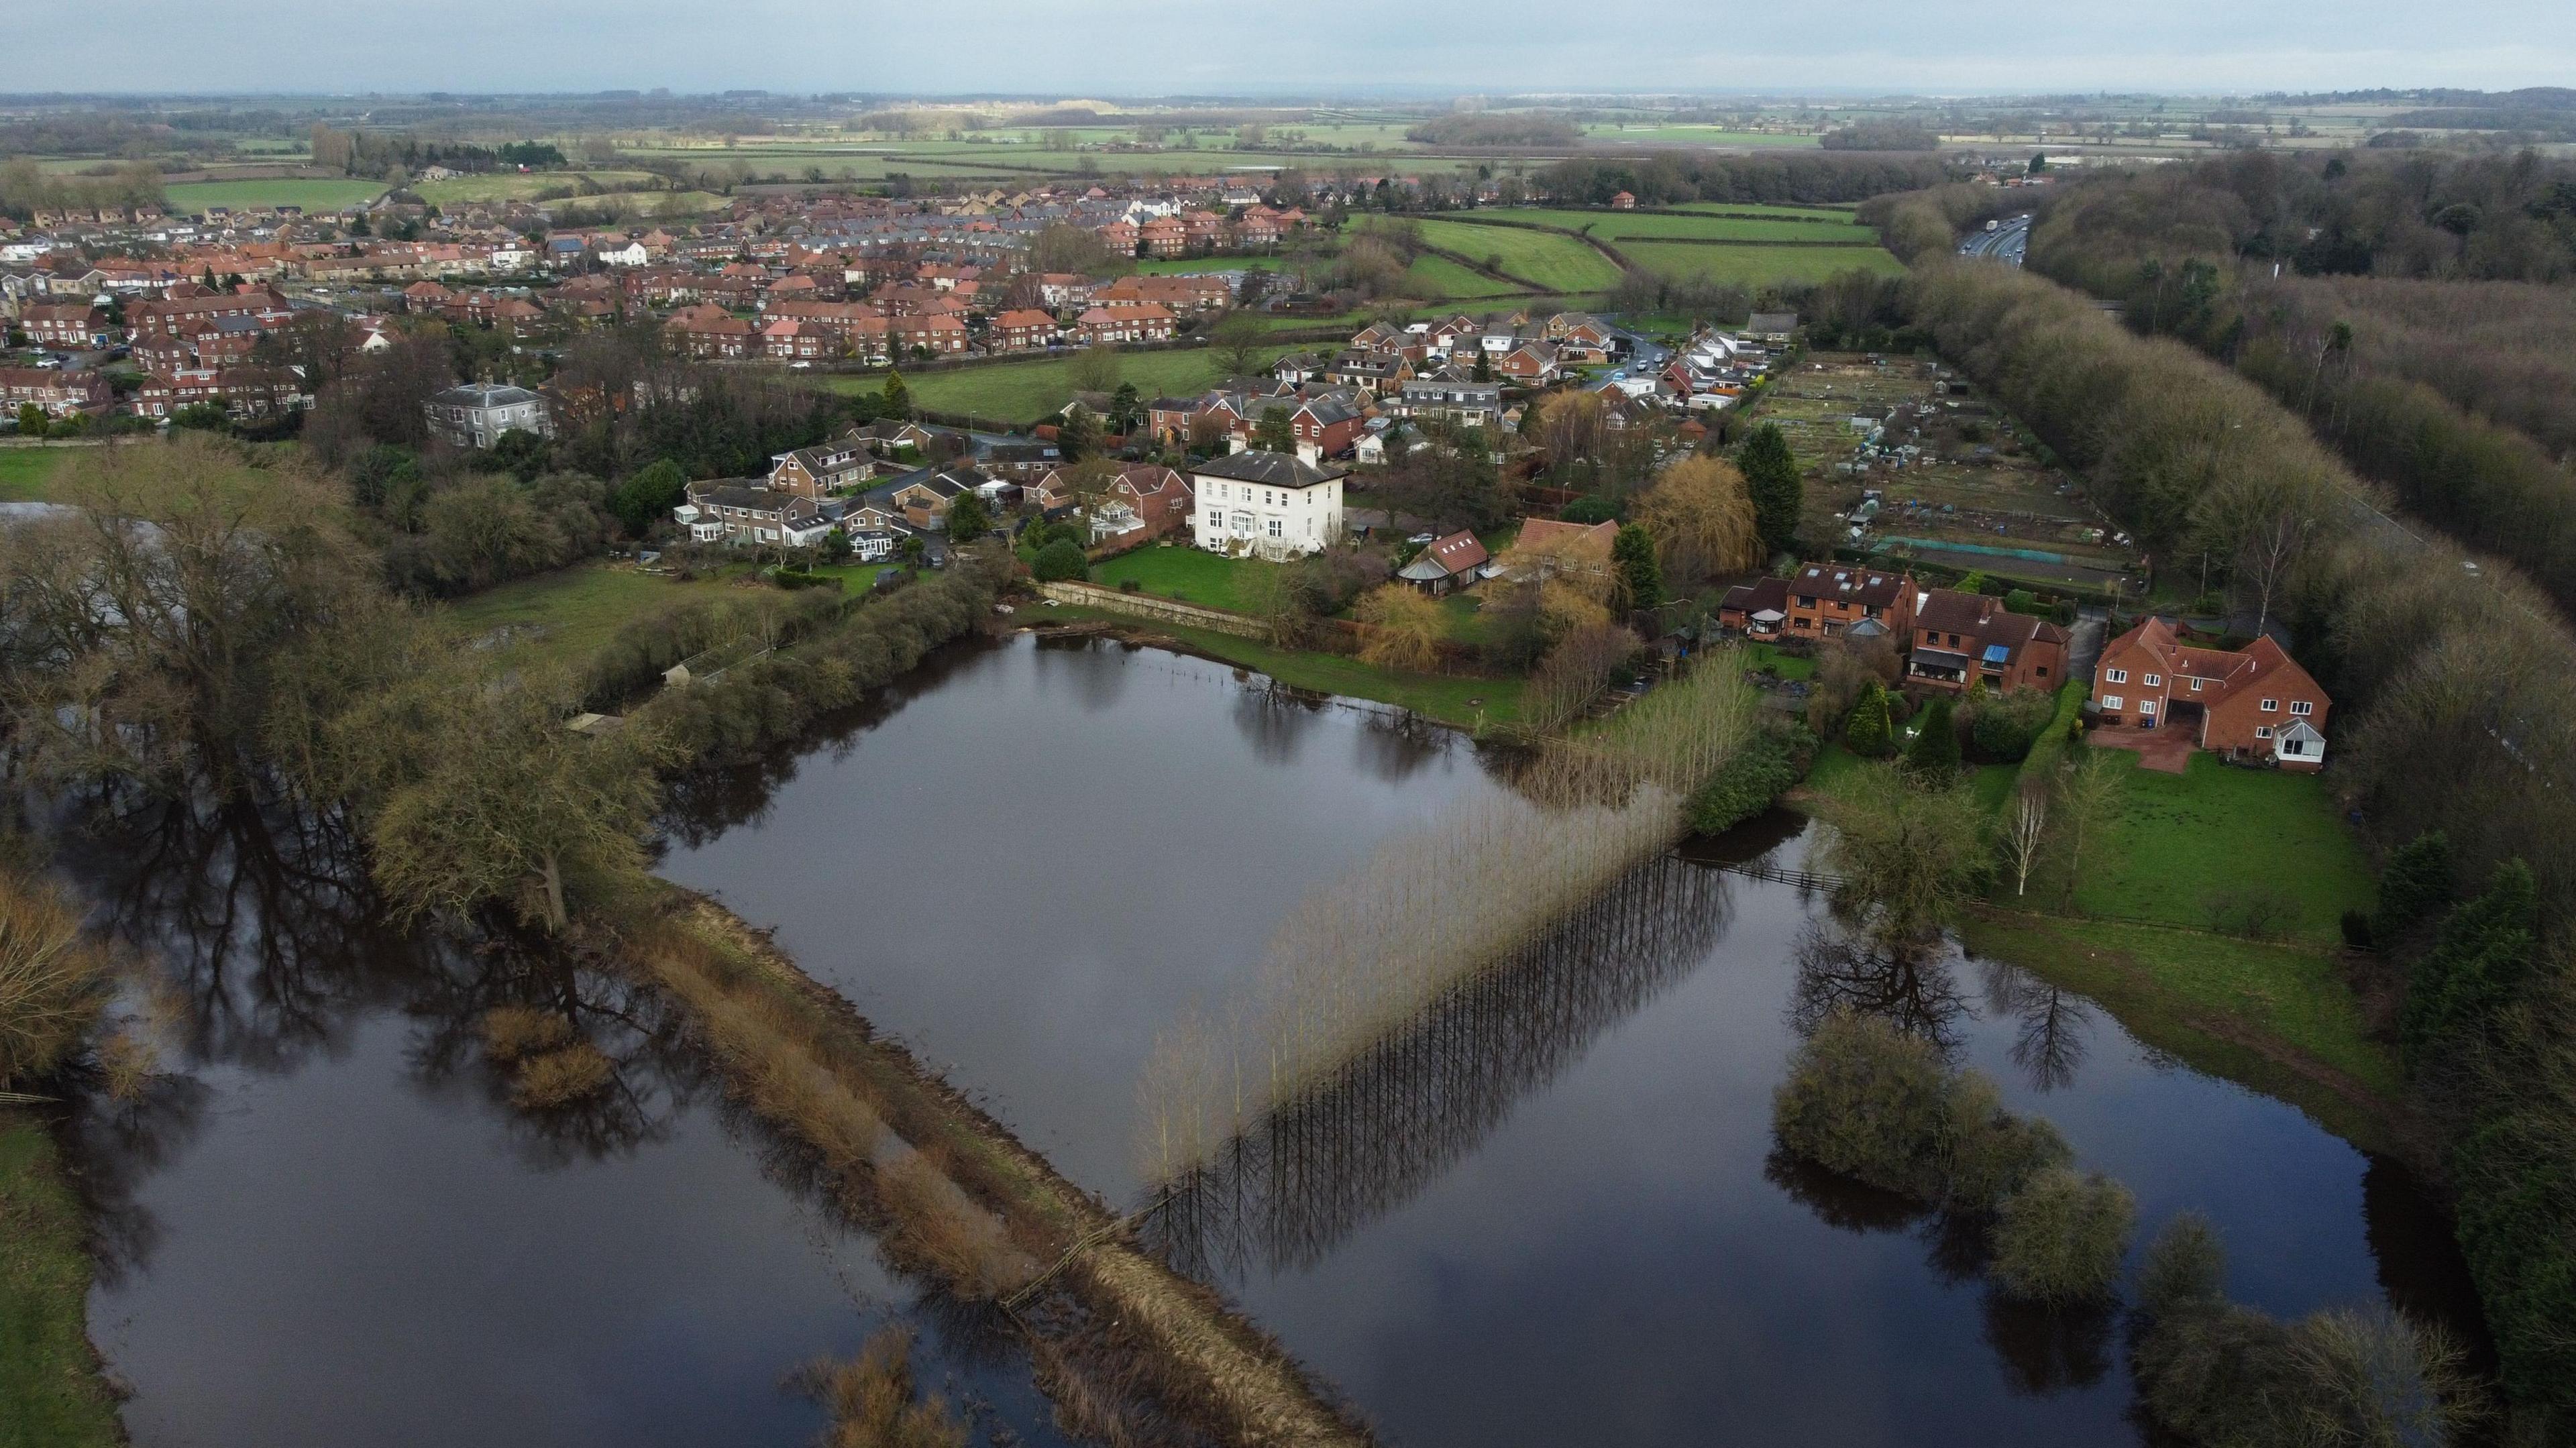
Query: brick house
point(66, 326)
point(813, 473)
point(1758, 608)
point(940, 335)
point(2250, 703)
point(1827, 599)
point(60, 392)
point(1962, 638)
point(1022, 330)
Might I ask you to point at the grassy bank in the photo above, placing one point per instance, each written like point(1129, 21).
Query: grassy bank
point(974, 1205)
point(28, 473)
point(51, 1394)
point(567, 615)
point(2276, 1018)
point(1469, 702)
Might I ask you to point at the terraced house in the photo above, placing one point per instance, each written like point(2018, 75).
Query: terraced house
point(1961, 639)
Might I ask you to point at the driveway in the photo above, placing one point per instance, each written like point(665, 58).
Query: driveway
point(2166, 751)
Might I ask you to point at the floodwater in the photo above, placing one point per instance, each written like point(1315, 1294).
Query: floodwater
point(1551, 1212)
point(328, 1223)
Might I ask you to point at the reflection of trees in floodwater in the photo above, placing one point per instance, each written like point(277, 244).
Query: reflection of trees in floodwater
point(1285, 1192)
point(2044, 1350)
point(2051, 1024)
point(1275, 719)
point(1840, 968)
point(266, 931)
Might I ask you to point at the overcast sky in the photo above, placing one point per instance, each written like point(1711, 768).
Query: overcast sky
point(1152, 47)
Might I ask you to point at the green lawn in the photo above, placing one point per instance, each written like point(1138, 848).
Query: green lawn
point(2185, 841)
point(1786, 665)
point(522, 186)
point(1467, 622)
point(1192, 575)
point(1757, 265)
point(1545, 260)
point(27, 472)
point(1029, 392)
point(1468, 702)
point(562, 617)
point(312, 195)
point(1767, 208)
point(2276, 1018)
point(51, 1395)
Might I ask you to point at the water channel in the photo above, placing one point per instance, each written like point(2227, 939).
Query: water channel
point(1551, 1212)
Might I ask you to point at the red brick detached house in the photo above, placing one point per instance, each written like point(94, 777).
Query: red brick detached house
point(2254, 703)
point(1960, 638)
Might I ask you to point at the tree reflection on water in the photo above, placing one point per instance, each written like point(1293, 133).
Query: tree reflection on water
point(1285, 1193)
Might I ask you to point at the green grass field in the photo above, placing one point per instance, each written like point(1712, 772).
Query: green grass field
point(1685, 135)
point(1027, 392)
point(1191, 575)
point(51, 1395)
point(1440, 279)
point(1768, 208)
point(2185, 841)
point(1546, 260)
point(1756, 265)
point(562, 617)
point(27, 473)
point(1618, 226)
point(518, 186)
point(312, 195)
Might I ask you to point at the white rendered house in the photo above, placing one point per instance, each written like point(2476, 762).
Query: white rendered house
point(1272, 505)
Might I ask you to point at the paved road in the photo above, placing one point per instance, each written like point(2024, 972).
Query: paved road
point(2008, 242)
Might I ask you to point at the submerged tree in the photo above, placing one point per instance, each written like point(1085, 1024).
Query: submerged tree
point(1907, 852)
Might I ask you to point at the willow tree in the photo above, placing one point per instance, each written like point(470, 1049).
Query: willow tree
point(1702, 520)
point(1404, 628)
point(511, 807)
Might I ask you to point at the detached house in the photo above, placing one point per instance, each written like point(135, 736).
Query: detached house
point(1963, 638)
point(2251, 703)
point(1266, 503)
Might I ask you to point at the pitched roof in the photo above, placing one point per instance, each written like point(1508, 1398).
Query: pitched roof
point(1869, 587)
point(1458, 553)
point(1278, 470)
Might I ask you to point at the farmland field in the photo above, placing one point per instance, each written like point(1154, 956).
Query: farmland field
point(1754, 265)
point(312, 195)
point(1664, 135)
point(518, 186)
point(1027, 392)
point(1545, 260)
point(1619, 226)
point(1439, 278)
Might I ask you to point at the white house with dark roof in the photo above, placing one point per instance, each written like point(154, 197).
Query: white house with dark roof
point(1269, 504)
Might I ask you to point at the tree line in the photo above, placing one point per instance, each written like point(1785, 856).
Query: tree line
point(2457, 715)
point(1668, 178)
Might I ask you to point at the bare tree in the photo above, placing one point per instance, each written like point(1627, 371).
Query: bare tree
point(2025, 832)
point(2087, 796)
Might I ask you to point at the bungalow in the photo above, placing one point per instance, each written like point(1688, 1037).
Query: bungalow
point(1827, 599)
point(1449, 563)
point(924, 501)
point(1963, 638)
point(2250, 703)
point(1020, 461)
point(1771, 326)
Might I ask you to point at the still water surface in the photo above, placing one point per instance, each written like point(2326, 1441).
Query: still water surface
point(1552, 1214)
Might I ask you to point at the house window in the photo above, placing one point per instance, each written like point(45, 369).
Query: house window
point(2262, 731)
point(2152, 680)
point(2111, 701)
point(2195, 685)
point(1274, 527)
point(2302, 707)
point(2146, 708)
point(2115, 676)
point(2271, 706)
point(2040, 672)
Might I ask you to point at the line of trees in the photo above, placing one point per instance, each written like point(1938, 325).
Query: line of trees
point(2457, 690)
point(1668, 178)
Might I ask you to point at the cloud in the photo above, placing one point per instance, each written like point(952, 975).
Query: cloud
point(1149, 47)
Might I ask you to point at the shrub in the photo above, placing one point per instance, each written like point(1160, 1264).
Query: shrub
point(874, 1403)
point(52, 984)
point(2416, 886)
point(511, 1032)
point(2004, 726)
point(561, 1077)
point(1868, 1100)
point(1934, 754)
point(2060, 1238)
point(1768, 767)
point(1866, 730)
point(1060, 561)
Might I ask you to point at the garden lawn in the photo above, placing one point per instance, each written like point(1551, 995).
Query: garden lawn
point(1467, 621)
point(1786, 665)
point(1028, 392)
point(51, 1395)
point(1191, 575)
point(27, 473)
point(326, 194)
point(2184, 843)
point(1546, 260)
point(565, 616)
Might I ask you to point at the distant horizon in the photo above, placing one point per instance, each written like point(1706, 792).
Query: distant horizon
point(1143, 48)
